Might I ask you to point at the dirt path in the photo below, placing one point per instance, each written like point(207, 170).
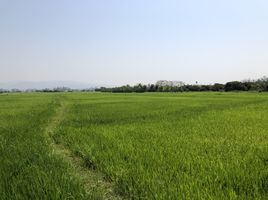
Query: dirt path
point(93, 181)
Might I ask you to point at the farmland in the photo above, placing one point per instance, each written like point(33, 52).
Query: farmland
point(136, 146)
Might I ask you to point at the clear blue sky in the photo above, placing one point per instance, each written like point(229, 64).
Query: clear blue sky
point(130, 41)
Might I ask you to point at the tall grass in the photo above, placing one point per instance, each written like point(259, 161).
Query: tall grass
point(152, 146)
point(28, 168)
point(173, 146)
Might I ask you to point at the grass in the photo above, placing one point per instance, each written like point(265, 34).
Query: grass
point(146, 146)
point(28, 169)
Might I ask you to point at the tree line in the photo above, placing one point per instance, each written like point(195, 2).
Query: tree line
point(260, 85)
point(48, 90)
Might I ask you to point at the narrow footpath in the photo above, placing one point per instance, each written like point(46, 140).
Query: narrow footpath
point(93, 181)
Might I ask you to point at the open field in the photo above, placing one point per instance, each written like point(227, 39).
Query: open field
point(136, 146)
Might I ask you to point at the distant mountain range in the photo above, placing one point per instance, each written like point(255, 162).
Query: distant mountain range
point(24, 85)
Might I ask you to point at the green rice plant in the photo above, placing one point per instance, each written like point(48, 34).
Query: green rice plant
point(147, 146)
point(173, 146)
point(28, 168)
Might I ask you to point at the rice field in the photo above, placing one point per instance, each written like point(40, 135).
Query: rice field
point(28, 168)
point(145, 146)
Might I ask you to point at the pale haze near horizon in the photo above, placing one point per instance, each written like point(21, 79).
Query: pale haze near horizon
point(127, 42)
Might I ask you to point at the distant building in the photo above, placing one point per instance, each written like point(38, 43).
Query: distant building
point(169, 83)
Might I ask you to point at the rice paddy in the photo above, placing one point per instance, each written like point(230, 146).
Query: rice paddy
point(136, 146)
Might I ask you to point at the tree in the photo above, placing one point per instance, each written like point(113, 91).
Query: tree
point(235, 86)
point(217, 87)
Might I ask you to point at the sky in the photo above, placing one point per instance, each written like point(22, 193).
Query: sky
point(120, 42)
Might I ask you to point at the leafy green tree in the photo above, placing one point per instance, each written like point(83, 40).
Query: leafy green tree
point(235, 86)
